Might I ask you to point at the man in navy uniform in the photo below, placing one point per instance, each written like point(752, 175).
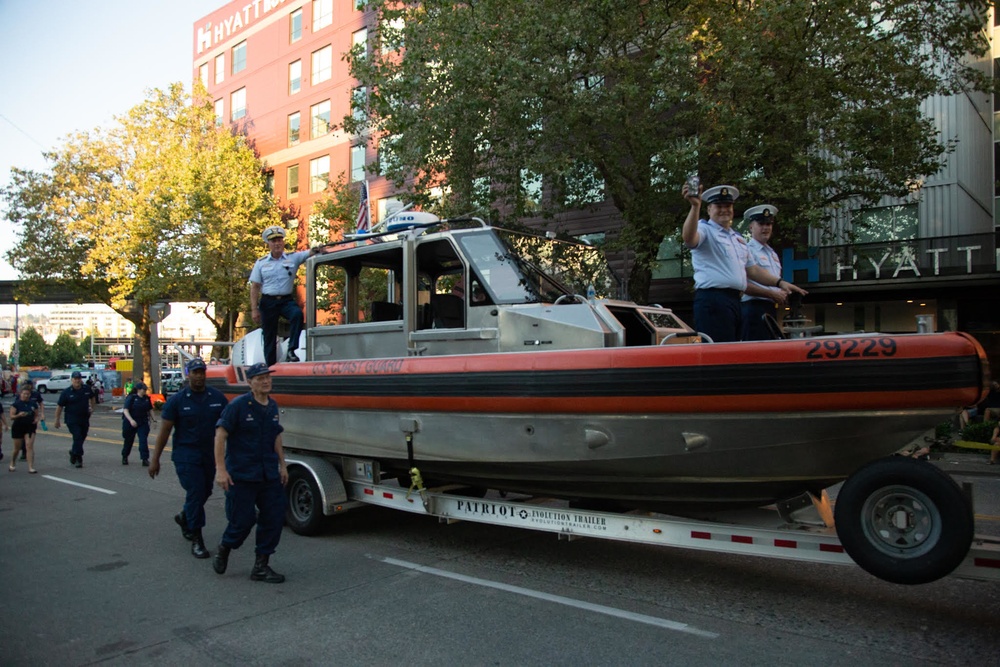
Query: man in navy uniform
point(193, 411)
point(77, 400)
point(250, 463)
point(760, 300)
point(272, 283)
point(721, 264)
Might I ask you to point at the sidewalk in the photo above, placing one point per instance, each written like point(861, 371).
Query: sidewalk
point(963, 463)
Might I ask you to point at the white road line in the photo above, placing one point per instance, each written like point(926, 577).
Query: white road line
point(85, 486)
point(558, 599)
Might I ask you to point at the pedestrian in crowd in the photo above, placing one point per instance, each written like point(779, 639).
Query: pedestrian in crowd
point(191, 414)
point(24, 420)
point(760, 300)
point(995, 441)
point(721, 263)
point(3, 427)
point(250, 464)
point(36, 396)
point(77, 400)
point(136, 421)
point(272, 283)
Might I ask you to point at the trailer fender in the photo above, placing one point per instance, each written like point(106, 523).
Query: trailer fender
point(315, 489)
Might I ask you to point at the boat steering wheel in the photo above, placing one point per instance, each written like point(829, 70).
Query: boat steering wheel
point(579, 298)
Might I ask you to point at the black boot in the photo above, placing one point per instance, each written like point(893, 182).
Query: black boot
point(263, 572)
point(181, 521)
point(198, 549)
point(221, 560)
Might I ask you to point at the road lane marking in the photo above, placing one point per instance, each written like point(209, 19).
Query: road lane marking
point(558, 599)
point(84, 486)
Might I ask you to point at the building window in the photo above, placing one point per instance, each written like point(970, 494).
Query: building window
point(357, 163)
point(293, 129)
point(294, 77)
point(240, 57)
point(322, 13)
point(319, 173)
point(269, 182)
point(293, 181)
point(220, 111)
point(203, 74)
point(238, 104)
point(220, 68)
point(295, 26)
point(885, 223)
point(392, 34)
point(359, 104)
point(673, 260)
point(322, 64)
point(319, 119)
point(360, 39)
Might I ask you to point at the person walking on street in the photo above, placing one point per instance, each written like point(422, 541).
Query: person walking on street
point(250, 465)
point(77, 400)
point(272, 283)
point(760, 300)
point(24, 421)
point(36, 396)
point(721, 264)
point(191, 415)
point(135, 421)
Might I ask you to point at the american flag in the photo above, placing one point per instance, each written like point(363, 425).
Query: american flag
point(363, 225)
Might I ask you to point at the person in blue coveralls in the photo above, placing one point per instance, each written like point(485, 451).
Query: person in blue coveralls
point(721, 263)
point(760, 300)
point(250, 465)
point(135, 421)
point(191, 414)
point(77, 401)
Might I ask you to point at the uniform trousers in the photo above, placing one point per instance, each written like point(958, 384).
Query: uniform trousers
point(197, 480)
point(271, 308)
point(79, 432)
point(249, 503)
point(128, 434)
point(717, 313)
point(754, 327)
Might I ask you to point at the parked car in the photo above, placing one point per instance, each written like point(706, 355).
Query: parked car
point(171, 381)
point(55, 382)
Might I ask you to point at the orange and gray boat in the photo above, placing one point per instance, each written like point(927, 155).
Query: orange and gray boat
point(493, 359)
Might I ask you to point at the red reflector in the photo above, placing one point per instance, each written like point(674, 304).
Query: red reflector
point(657, 531)
point(788, 544)
point(986, 562)
point(369, 492)
point(698, 535)
point(387, 495)
point(742, 539)
point(832, 548)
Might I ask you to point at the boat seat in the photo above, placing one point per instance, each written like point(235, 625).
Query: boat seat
point(449, 311)
point(386, 311)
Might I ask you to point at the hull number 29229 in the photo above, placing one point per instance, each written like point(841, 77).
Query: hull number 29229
point(850, 348)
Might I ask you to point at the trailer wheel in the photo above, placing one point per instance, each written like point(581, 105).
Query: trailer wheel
point(304, 513)
point(904, 521)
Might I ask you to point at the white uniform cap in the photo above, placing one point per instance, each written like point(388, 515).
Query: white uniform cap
point(274, 231)
point(720, 194)
point(763, 213)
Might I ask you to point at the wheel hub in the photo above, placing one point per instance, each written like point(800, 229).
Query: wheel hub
point(901, 521)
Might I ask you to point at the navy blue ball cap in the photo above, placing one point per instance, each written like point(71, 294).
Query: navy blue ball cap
point(196, 364)
point(257, 369)
point(76, 374)
point(720, 194)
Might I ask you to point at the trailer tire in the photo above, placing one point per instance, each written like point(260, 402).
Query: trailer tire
point(904, 521)
point(304, 511)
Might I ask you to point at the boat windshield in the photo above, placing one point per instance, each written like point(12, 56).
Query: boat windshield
point(521, 268)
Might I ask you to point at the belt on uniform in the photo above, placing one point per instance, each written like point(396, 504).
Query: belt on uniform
point(276, 297)
point(732, 293)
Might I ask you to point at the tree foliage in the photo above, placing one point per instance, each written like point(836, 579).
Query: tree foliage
point(65, 352)
point(800, 103)
point(163, 204)
point(32, 348)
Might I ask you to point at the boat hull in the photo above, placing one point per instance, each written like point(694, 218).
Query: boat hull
point(656, 427)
